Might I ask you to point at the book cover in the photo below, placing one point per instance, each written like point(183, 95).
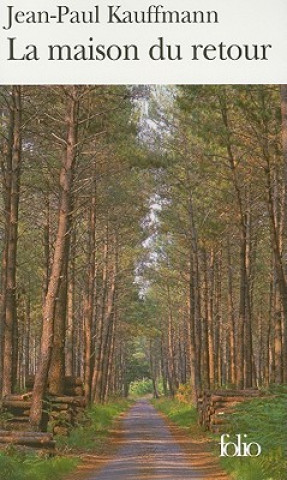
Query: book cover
point(143, 240)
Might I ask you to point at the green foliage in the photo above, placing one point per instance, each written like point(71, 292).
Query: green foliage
point(181, 413)
point(142, 387)
point(4, 418)
point(264, 421)
point(184, 393)
point(17, 466)
point(138, 365)
point(92, 435)
point(246, 470)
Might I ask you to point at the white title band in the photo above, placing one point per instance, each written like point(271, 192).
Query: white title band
point(188, 41)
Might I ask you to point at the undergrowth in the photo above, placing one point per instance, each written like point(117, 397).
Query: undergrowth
point(139, 388)
point(143, 387)
point(264, 421)
point(23, 466)
point(17, 465)
point(181, 413)
point(94, 431)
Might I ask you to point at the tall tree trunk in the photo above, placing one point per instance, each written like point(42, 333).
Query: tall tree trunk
point(100, 332)
point(194, 371)
point(244, 343)
point(89, 312)
point(27, 343)
point(66, 177)
point(170, 346)
point(57, 364)
point(231, 317)
point(207, 331)
point(70, 330)
point(284, 144)
point(13, 166)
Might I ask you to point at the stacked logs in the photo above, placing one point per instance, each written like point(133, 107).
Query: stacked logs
point(64, 412)
point(73, 386)
point(60, 413)
point(215, 407)
point(16, 411)
point(38, 440)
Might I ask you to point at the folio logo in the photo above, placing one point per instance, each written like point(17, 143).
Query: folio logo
point(239, 449)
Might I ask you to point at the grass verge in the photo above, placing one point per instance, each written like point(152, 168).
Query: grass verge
point(263, 421)
point(15, 465)
point(185, 429)
point(92, 435)
point(180, 413)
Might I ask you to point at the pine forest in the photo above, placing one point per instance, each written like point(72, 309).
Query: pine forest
point(143, 239)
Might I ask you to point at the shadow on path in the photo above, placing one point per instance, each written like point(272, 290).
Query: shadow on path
point(148, 451)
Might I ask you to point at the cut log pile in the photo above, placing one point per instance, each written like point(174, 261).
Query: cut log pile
point(37, 440)
point(73, 386)
point(60, 413)
point(64, 412)
point(215, 407)
point(15, 410)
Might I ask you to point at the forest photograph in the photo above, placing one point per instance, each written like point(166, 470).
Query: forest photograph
point(143, 291)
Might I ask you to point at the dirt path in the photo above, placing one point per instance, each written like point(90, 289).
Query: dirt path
point(149, 451)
